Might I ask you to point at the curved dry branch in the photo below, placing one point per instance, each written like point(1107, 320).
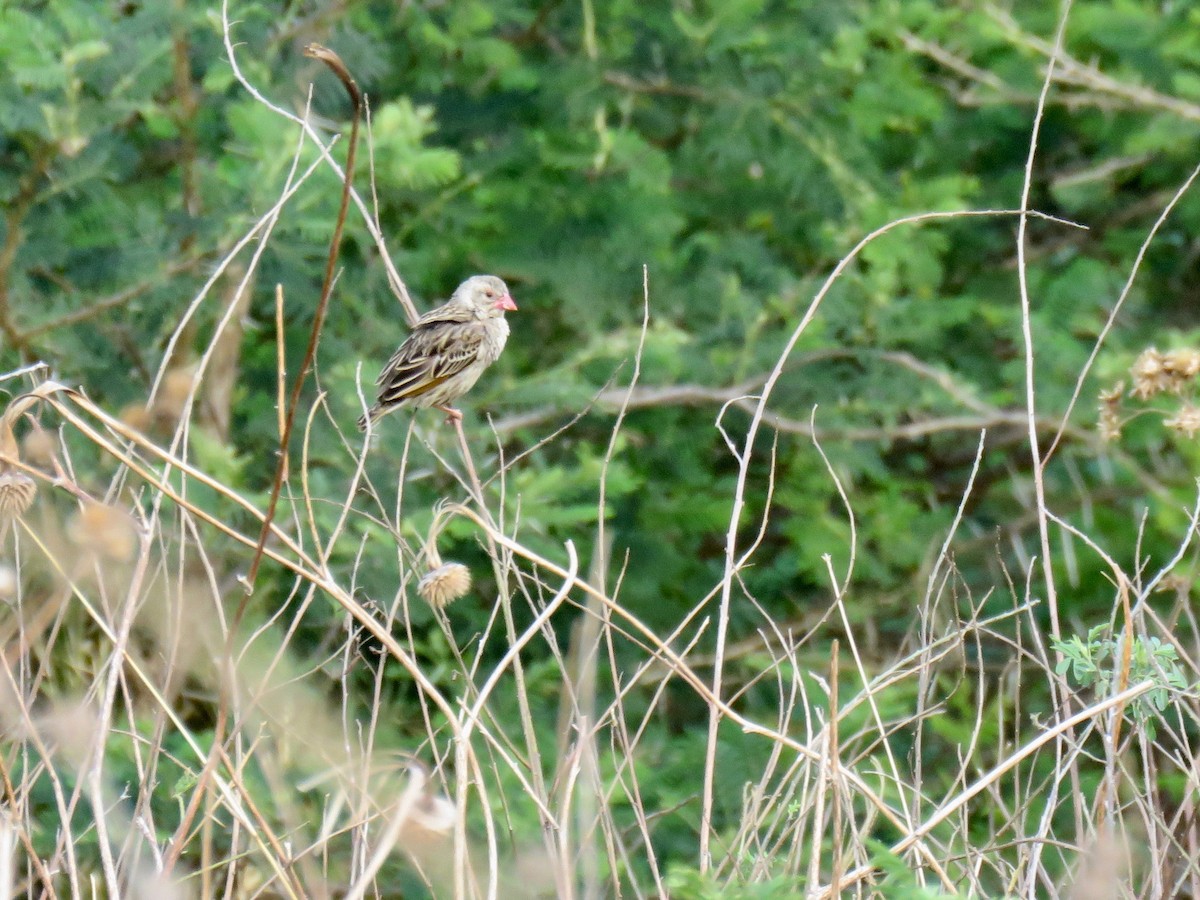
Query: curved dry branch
point(331, 59)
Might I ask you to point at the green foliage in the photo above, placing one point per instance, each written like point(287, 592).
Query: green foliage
point(689, 884)
point(736, 150)
point(899, 881)
point(1098, 661)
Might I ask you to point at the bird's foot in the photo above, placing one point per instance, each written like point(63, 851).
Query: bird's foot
point(453, 416)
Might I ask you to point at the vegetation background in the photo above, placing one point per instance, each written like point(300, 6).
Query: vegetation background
point(702, 515)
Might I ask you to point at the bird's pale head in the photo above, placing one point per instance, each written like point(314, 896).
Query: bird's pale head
point(485, 293)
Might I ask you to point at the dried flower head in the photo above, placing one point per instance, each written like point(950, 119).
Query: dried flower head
point(1112, 397)
point(441, 586)
point(1109, 424)
point(39, 447)
point(176, 391)
point(137, 417)
point(105, 531)
point(429, 811)
point(1181, 366)
point(17, 491)
point(1154, 372)
point(434, 813)
point(8, 583)
point(1110, 412)
point(1186, 420)
point(1149, 376)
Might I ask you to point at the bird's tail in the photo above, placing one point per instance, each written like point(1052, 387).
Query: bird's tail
point(372, 416)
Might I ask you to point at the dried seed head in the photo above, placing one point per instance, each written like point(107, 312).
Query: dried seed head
point(1154, 372)
point(429, 811)
point(434, 813)
point(444, 584)
point(1181, 366)
point(8, 583)
point(1185, 421)
point(17, 491)
point(137, 417)
point(1149, 377)
point(173, 397)
point(105, 531)
point(39, 448)
point(1112, 396)
point(1110, 412)
point(1109, 424)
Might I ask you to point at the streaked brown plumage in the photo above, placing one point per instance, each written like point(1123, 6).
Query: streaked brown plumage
point(447, 351)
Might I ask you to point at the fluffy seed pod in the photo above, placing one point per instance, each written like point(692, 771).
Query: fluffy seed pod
point(105, 531)
point(1149, 376)
point(136, 416)
point(1185, 421)
point(17, 491)
point(441, 586)
point(1110, 411)
point(1181, 366)
point(8, 583)
point(39, 448)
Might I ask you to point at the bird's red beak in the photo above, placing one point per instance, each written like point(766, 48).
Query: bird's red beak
point(506, 302)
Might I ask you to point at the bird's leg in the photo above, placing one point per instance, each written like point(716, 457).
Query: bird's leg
point(453, 416)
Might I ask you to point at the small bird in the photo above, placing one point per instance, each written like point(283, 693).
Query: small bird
point(447, 351)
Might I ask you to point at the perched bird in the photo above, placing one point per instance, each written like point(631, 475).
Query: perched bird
point(447, 351)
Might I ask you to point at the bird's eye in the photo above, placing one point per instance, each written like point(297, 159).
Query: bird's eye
point(488, 292)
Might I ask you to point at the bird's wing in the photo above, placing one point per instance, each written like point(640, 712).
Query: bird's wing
point(439, 348)
point(447, 313)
